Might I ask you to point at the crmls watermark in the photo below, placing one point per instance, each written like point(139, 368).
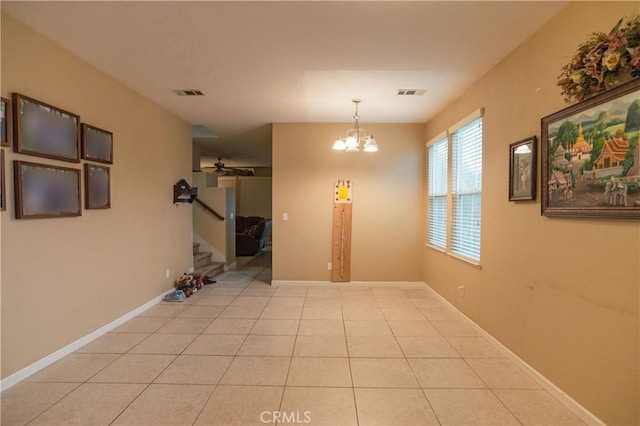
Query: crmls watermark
point(284, 417)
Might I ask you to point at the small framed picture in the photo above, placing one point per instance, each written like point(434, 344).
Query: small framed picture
point(44, 130)
point(522, 169)
point(97, 187)
point(5, 112)
point(43, 191)
point(97, 144)
point(3, 201)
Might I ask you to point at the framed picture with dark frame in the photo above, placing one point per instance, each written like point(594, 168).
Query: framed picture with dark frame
point(97, 144)
point(522, 169)
point(591, 156)
point(43, 191)
point(46, 131)
point(97, 187)
point(3, 197)
point(5, 120)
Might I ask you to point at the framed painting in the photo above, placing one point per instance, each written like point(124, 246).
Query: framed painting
point(3, 197)
point(97, 144)
point(591, 156)
point(43, 191)
point(97, 187)
point(522, 169)
point(4, 121)
point(44, 130)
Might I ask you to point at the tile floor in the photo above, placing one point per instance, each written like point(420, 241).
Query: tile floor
point(242, 352)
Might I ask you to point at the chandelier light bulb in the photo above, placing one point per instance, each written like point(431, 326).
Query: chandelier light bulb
point(371, 145)
point(351, 142)
point(339, 145)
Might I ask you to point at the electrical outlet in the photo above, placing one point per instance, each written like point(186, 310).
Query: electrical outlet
point(461, 290)
point(285, 216)
point(329, 266)
point(167, 273)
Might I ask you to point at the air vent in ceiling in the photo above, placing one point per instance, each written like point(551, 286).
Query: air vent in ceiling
point(411, 92)
point(188, 92)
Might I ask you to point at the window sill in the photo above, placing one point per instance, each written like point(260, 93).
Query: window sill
point(436, 248)
point(455, 256)
point(466, 260)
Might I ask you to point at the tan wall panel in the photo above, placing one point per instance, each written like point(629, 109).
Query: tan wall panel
point(64, 278)
point(561, 293)
point(387, 210)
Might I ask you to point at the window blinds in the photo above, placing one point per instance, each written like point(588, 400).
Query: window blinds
point(466, 190)
point(438, 157)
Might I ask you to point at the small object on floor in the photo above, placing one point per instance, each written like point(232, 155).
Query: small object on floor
point(174, 296)
point(208, 280)
point(183, 281)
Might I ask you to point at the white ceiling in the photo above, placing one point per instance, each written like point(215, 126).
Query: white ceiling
point(264, 62)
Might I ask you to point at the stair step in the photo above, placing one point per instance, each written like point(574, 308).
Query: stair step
point(201, 259)
point(196, 248)
point(211, 270)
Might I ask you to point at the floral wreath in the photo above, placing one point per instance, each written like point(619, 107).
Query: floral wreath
point(603, 61)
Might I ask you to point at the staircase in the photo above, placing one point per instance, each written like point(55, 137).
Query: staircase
point(203, 265)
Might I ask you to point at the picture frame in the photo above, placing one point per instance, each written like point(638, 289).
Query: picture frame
point(591, 156)
point(97, 187)
point(45, 191)
point(3, 196)
point(5, 120)
point(97, 144)
point(46, 131)
point(522, 169)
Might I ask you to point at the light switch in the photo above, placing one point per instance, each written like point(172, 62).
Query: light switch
point(285, 216)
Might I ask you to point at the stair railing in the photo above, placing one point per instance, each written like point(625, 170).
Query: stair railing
point(207, 208)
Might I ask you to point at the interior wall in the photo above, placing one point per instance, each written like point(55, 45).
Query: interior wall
point(63, 278)
point(253, 194)
point(207, 227)
point(562, 293)
point(387, 207)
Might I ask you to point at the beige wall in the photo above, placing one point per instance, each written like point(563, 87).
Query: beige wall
point(387, 210)
point(561, 293)
point(218, 234)
point(64, 278)
point(253, 194)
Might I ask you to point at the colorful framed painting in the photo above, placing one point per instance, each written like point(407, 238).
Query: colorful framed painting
point(43, 191)
point(44, 130)
point(97, 144)
point(4, 121)
point(97, 187)
point(3, 197)
point(591, 156)
point(522, 169)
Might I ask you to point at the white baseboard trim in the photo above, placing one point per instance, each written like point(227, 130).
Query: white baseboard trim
point(572, 405)
point(293, 283)
point(31, 369)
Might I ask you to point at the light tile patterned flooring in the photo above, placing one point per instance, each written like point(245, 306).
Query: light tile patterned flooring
point(238, 351)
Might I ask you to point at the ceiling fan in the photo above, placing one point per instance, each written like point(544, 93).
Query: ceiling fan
point(221, 170)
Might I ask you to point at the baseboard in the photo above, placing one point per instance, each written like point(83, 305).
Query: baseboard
point(293, 283)
point(31, 369)
point(572, 405)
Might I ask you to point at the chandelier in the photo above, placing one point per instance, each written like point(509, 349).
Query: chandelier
point(355, 136)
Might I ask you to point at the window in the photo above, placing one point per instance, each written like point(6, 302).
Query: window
point(455, 197)
point(438, 154)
